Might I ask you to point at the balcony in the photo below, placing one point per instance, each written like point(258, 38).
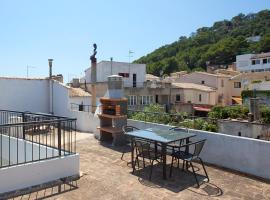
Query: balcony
point(33, 149)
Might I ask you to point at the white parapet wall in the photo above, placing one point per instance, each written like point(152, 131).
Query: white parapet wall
point(21, 175)
point(247, 155)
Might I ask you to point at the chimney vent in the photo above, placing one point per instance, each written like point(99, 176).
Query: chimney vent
point(50, 67)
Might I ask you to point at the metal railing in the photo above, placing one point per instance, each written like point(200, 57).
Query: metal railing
point(28, 137)
point(80, 107)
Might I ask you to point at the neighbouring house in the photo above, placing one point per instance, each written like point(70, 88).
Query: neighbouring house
point(185, 97)
point(218, 81)
point(150, 77)
point(156, 91)
point(80, 100)
point(253, 62)
point(246, 81)
point(193, 93)
point(258, 89)
point(133, 74)
point(192, 98)
point(213, 68)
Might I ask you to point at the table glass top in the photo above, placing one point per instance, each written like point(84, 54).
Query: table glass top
point(161, 135)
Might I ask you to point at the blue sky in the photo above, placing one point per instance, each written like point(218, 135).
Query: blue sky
point(33, 31)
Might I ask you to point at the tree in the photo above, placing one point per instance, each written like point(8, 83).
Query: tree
point(218, 44)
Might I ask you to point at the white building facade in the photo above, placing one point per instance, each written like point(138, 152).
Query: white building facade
point(133, 74)
point(253, 62)
point(46, 96)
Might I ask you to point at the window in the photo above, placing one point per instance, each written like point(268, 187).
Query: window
point(264, 61)
point(203, 82)
point(268, 60)
point(237, 84)
point(125, 75)
point(255, 62)
point(132, 100)
point(145, 100)
point(200, 97)
point(177, 97)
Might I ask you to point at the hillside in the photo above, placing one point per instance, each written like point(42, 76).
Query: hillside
point(218, 44)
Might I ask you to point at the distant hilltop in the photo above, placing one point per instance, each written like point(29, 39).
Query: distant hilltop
point(215, 45)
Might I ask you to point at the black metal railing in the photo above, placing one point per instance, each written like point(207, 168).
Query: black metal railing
point(27, 137)
point(81, 107)
point(177, 119)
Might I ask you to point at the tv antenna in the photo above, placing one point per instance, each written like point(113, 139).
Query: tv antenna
point(27, 69)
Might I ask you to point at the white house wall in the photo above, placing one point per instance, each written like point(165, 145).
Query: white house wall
point(33, 95)
point(34, 173)
point(24, 95)
point(86, 121)
point(104, 70)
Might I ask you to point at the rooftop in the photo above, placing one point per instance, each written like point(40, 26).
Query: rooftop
point(209, 74)
point(151, 77)
point(253, 75)
point(78, 92)
point(261, 55)
point(106, 176)
point(22, 78)
point(193, 86)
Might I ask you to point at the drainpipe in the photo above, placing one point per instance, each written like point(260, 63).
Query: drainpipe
point(50, 86)
point(111, 65)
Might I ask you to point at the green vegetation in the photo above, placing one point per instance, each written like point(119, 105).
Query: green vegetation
point(239, 112)
point(232, 112)
point(154, 113)
point(257, 81)
point(257, 93)
point(218, 44)
point(265, 114)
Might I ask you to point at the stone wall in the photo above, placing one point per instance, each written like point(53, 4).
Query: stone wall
point(242, 128)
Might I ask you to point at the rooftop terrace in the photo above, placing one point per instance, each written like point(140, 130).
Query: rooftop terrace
point(106, 176)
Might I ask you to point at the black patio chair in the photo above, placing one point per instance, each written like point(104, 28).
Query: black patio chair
point(176, 145)
point(190, 157)
point(145, 151)
point(127, 129)
point(180, 142)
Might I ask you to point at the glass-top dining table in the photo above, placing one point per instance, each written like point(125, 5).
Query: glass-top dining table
point(161, 136)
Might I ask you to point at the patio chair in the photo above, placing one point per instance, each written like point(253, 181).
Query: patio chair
point(190, 157)
point(125, 130)
point(176, 145)
point(145, 151)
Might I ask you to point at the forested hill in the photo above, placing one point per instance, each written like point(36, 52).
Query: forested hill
point(218, 44)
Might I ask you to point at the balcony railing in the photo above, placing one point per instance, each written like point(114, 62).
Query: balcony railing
point(29, 137)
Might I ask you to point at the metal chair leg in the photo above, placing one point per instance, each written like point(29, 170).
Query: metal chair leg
point(204, 169)
point(151, 169)
point(138, 162)
point(194, 174)
point(171, 168)
point(122, 155)
point(183, 166)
